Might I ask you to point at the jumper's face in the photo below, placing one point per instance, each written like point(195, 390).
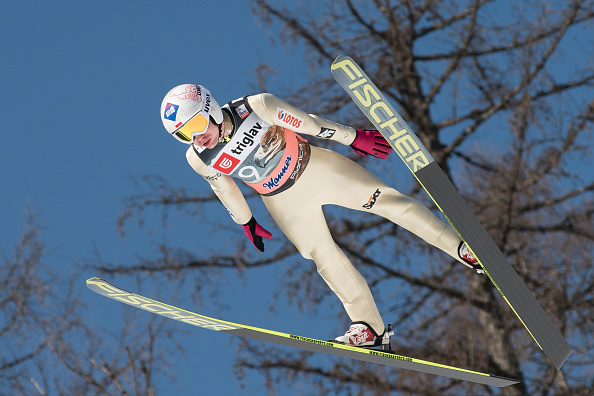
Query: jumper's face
point(208, 139)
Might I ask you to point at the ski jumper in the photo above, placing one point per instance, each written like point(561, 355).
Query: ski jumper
point(261, 146)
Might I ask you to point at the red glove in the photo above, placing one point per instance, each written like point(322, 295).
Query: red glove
point(255, 232)
point(371, 142)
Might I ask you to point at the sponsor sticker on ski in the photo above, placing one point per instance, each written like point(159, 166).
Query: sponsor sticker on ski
point(379, 111)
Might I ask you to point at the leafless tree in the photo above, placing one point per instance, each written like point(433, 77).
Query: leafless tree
point(501, 94)
point(50, 345)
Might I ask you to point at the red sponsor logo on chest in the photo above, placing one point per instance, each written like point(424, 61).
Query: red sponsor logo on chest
point(226, 163)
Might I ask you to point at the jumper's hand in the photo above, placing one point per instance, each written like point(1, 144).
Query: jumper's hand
point(371, 142)
point(255, 232)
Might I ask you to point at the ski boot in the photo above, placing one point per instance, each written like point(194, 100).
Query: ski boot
point(469, 259)
point(362, 335)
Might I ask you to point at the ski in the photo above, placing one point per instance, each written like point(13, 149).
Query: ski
point(310, 344)
point(407, 145)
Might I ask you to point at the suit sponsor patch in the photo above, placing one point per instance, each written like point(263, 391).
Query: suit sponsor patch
point(326, 133)
point(226, 163)
point(288, 118)
point(372, 199)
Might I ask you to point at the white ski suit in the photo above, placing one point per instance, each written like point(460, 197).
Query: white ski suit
point(295, 179)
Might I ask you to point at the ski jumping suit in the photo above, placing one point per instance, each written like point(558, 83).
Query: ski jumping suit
point(295, 180)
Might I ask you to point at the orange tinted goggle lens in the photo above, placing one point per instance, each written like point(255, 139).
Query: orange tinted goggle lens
point(196, 124)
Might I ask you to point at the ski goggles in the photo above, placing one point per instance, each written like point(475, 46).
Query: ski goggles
point(196, 125)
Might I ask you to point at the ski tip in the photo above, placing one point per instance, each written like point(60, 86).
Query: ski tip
point(342, 62)
point(341, 57)
point(92, 280)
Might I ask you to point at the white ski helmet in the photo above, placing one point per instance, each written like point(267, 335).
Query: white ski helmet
point(187, 110)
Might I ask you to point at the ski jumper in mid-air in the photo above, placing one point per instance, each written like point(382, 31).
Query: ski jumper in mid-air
point(257, 139)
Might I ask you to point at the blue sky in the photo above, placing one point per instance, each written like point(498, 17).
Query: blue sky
point(81, 85)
